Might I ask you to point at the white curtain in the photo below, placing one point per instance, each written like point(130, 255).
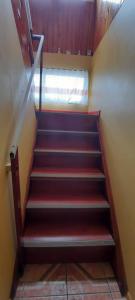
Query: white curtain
point(63, 86)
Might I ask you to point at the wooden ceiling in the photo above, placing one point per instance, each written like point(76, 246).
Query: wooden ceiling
point(23, 31)
point(73, 26)
point(105, 10)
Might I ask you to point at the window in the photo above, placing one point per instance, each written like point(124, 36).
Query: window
point(63, 86)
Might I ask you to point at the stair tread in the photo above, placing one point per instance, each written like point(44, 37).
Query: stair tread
point(63, 201)
point(95, 113)
point(53, 131)
point(68, 172)
point(54, 234)
point(66, 150)
point(70, 147)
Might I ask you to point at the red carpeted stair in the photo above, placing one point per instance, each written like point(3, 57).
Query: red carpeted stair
point(67, 213)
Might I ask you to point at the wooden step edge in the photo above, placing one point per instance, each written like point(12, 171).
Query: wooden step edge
point(66, 151)
point(60, 205)
point(45, 131)
point(65, 175)
point(93, 113)
point(45, 242)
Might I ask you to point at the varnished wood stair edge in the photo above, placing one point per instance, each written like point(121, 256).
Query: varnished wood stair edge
point(83, 175)
point(58, 204)
point(53, 131)
point(43, 242)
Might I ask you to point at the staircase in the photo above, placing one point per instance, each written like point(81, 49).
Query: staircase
point(67, 213)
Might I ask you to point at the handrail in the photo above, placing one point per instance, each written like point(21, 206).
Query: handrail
point(36, 37)
point(20, 119)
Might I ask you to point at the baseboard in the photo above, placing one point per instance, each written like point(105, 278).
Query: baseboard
point(117, 261)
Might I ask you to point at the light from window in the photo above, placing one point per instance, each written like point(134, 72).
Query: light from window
point(63, 86)
point(113, 1)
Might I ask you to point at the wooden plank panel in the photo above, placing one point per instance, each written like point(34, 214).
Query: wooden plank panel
point(67, 25)
point(20, 15)
point(105, 13)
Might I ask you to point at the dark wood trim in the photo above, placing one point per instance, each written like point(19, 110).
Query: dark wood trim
point(37, 38)
point(70, 112)
point(18, 267)
point(18, 271)
point(16, 194)
point(117, 261)
point(19, 264)
point(41, 77)
point(28, 181)
point(20, 15)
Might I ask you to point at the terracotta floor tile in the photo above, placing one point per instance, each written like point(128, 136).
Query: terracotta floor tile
point(113, 285)
point(86, 281)
point(34, 273)
point(90, 297)
point(79, 282)
point(19, 291)
point(51, 288)
point(108, 271)
point(57, 272)
point(53, 283)
point(99, 270)
point(116, 295)
point(94, 270)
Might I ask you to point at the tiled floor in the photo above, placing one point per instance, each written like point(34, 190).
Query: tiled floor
point(68, 282)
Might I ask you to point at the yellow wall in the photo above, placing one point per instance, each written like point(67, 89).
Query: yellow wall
point(113, 91)
point(26, 144)
point(52, 60)
point(64, 61)
point(13, 83)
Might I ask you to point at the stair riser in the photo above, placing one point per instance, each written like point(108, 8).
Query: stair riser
point(43, 187)
point(67, 141)
point(69, 217)
point(63, 121)
point(58, 160)
point(68, 254)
